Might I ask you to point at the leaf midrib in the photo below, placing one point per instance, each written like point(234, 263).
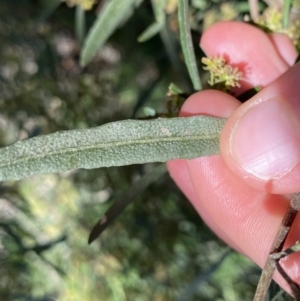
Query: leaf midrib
point(70, 150)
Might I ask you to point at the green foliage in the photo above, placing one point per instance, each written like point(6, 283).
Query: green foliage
point(157, 249)
point(160, 20)
point(80, 24)
point(112, 15)
point(186, 43)
point(113, 144)
point(282, 20)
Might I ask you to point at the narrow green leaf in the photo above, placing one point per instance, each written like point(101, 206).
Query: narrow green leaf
point(126, 199)
point(110, 17)
point(286, 13)
point(48, 9)
point(170, 45)
point(278, 296)
point(80, 23)
point(158, 8)
point(160, 17)
point(150, 31)
point(113, 144)
point(186, 43)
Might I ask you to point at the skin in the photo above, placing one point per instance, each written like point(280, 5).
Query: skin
point(243, 193)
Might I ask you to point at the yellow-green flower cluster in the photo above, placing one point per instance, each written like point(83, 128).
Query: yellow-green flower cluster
point(296, 4)
point(272, 19)
point(221, 73)
point(294, 34)
point(85, 4)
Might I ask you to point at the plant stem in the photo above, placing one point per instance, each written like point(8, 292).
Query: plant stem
point(254, 10)
point(270, 266)
point(187, 44)
point(80, 23)
point(286, 13)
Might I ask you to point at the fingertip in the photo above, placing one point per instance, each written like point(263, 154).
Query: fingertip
point(211, 103)
point(249, 49)
point(285, 47)
point(261, 140)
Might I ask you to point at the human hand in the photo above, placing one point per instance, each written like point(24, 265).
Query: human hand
point(260, 145)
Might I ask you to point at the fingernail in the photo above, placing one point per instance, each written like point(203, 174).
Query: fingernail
point(265, 141)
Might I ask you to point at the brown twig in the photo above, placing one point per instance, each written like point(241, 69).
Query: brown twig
point(271, 264)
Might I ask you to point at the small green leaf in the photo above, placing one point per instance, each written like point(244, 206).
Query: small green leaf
point(149, 112)
point(150, 32)
point(174, 89)
point(160, 17)
point(49, 7)
point(113, 144)
point(110, 17)
point(80, 23)
point(186, 43)
point(286, 13)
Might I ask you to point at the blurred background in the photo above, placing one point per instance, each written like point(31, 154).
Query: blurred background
point(158, 248)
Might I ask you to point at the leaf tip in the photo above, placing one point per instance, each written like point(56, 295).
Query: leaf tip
point(98, 229)
point(82, 61)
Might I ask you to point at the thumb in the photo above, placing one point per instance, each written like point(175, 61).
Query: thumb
point(261, 140)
